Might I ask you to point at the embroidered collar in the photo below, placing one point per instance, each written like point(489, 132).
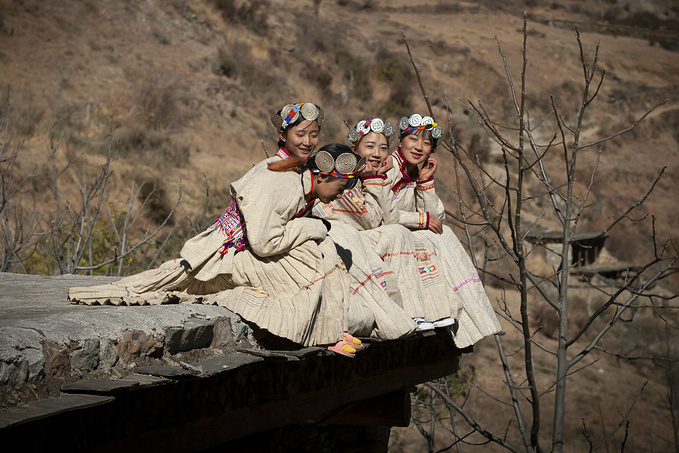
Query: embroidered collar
point(307, 186)
point(283, 154)
point(406, 180)
point(401, 161)
point(307, 182)
point(306, 209)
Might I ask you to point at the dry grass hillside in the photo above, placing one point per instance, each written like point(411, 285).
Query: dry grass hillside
point(190, 85)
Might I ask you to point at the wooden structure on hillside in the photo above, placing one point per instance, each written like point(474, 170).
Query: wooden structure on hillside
point(584, 250)
point(584, 253)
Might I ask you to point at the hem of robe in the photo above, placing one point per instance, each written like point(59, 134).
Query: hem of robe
point(475, 315)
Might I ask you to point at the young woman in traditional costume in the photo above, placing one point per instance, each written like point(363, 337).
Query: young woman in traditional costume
point(440, 254)
point(384, 230)
point(298, 126)
point(265, 259)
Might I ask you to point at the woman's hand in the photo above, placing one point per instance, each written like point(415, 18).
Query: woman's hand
point(428, 169)
point(386, 166)
point(369, 171)
point(435, 225)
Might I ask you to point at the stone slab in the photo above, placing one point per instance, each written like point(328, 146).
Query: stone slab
point(283, 355)
point(216, 365)
point(35, 308)
point(49, 407)
point(108, 387)
point(34, 311)
point(167, 371)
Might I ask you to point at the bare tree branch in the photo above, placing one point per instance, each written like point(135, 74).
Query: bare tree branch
point(417, 74)
point(470, 420)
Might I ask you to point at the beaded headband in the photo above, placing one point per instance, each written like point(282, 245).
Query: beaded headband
point(417, 122)
point(291, 112)
point(365, 127)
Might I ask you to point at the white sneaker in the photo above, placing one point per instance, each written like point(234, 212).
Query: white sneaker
point(445, 322)
point(423, 325)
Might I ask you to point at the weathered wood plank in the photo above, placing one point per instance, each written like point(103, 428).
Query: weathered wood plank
point(390, 409)
point(293, 392)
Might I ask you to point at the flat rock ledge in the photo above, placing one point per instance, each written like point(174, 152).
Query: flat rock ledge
point(47, 342)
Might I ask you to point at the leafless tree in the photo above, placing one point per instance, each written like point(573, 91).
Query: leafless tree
point(497, 217)
point(19, 217)
point(130, 218)
point(72, 229)
point(671, 371)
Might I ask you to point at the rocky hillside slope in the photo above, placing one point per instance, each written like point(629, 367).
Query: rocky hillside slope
point(190, 84)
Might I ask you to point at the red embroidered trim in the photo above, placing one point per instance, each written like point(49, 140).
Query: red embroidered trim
point(305, 210)
point(283, 154)
point(312, 184)
point(374, 177)
point(427, 187)
point(231, 224)
point(396, 254)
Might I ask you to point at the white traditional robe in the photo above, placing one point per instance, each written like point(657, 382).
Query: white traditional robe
point(285, 275)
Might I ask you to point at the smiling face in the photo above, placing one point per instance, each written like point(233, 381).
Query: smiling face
point(302, 139)
point(327, 188)
point(416, 148)
point(375, 148)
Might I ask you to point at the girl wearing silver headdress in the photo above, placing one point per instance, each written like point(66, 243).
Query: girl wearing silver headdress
point(451, 280)
point(369, 139)
point(298, 126)
point(265, 259)
point(383, 229)
point(360, 211)
point(293, 128)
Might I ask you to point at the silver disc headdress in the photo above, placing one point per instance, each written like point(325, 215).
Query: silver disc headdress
point(418, 122)
point(291, 113)
point(365, 127)
point(337, 163)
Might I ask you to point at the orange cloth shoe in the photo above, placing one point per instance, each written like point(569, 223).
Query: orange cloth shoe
point(343, 348)
point(355, 342)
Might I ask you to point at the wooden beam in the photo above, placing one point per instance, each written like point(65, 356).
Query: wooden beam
point(390, 409)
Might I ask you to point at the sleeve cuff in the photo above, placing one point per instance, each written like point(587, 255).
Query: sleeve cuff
point(424, 221)
point(425, 184)
point(365, 178)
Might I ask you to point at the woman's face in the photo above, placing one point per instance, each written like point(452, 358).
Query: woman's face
point(302, 139)
point(416, 147)
point(375, 148)
point(328, 189)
